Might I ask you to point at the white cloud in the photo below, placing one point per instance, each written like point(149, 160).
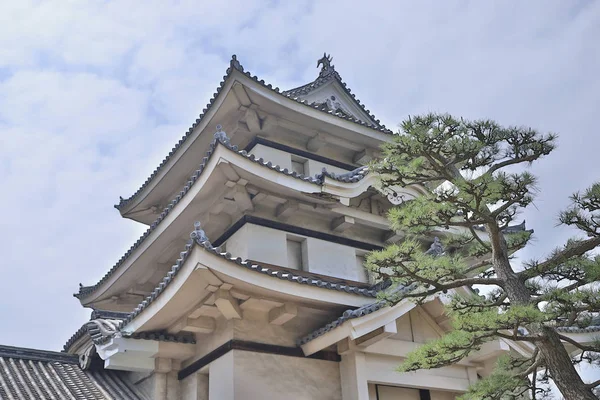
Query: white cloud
point(94, 94)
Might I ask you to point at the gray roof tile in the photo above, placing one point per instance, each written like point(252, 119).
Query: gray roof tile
point(352, 176)
point(234, 64)
point(102, 318)
point(358, 312)
point(327, 75)
point(197, 239)
point(39, 374)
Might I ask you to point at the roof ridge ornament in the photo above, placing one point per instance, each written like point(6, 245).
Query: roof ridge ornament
point(235, 64)
point(221, 136)
point(436, 249)
point(199, 235)
point(327, 67)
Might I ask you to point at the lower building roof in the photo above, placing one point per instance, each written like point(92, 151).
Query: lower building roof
point(40, 374)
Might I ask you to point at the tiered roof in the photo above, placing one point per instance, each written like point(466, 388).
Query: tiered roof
point(327, 75)
point(319, 179)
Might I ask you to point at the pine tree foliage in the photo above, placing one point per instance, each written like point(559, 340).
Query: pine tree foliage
point(477, 184)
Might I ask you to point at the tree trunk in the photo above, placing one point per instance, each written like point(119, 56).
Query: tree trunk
point(551, 348)
point(561, 368)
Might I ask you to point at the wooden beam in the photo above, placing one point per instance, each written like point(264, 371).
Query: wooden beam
point(198, 325)
point(392, 236)
point(377, 335)
point(252, 120)
point(242, 198)
point(283, 314)
point(228, 170)
point(363, 157)
point(241, 95)
point(315, 143)
point(287, 209)
point(227, 304)
point(205, 311)
point(489, 350)
point(429, 319)
point(342, 223)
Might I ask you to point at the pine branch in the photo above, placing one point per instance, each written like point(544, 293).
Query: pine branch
point(580, 346)
point(573, 250)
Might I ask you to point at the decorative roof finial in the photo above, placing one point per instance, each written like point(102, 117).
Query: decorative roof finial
point(327, 67)
point(436, 248)
point(235, 64)
point(221, 136)
point(198, 234)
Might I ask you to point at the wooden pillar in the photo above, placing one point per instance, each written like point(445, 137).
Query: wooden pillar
point(166, 384)
point(220, 378)
point(354, 376)
point(160, 386)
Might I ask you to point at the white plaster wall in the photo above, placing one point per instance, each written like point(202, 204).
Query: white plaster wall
point(207, 342)
point(382, 369)
point(267, 376)
point(221, 378)
point(276, 156)
point(333, 259)
point(142, 381)
point(267, 245)
point(412, 327)
point(259, 329)
point(284, 160)
point(437, 395)
point(423, 332)
point(322, 257)
point(237, 244)
point(195, 387)
point(259, 243)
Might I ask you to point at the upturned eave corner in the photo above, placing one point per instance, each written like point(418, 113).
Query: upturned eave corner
point(236, 72)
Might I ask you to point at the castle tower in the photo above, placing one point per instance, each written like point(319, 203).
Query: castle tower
point(249, 281)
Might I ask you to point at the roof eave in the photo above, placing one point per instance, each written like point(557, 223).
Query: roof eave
point(236, 72)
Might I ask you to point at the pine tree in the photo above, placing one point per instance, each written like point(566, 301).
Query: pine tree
point(477, 185)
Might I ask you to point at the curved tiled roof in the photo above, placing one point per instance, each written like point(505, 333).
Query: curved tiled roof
point(371, 308)
point(346, 315)
point(576, 329)
point(352, 176)
point(326, 76)
point(86, 290)
point(358, 312)
point(348, 177)
point(234, 64)
point(84, 329)
point(198, 238)
point(594, 326)
point(39, 374)
point(99, 336)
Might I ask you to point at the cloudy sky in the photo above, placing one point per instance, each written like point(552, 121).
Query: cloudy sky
point(94, 94)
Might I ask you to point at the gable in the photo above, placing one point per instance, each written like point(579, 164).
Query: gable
point(333, 97)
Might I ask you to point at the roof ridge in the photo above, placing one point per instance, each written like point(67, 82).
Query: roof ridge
point(327, 74)
point(37, 354)
point(234, 64)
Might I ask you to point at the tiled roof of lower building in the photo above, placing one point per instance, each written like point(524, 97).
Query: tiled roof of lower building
point(39, 374)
